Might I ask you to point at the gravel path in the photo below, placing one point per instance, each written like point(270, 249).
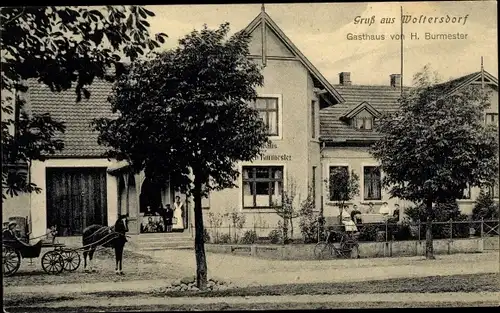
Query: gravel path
point(246, 271)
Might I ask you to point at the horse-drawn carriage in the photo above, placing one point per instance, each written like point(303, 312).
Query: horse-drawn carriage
point(53, 262)
point(62, 258)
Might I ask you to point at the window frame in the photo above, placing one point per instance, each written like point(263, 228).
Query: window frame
point(254, 180)
point(356, 119)
point(330, 166)
point(492, 189)
point(364, 180)
point(466, 193)
point(278, 110)
point(313, 119)
point(494, 121)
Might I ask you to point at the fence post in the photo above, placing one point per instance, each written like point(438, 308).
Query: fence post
point(451, 229)
point(482, 226)
point(418, 230)
point(230, 233)
point(386, 230)
point(318, 228)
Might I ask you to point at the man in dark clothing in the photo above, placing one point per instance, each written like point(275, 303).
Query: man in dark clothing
point(9, 234)
point(169, 215)
point(355, 215)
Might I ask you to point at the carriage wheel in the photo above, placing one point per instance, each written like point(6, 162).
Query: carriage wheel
point(355, 252)
point(349, 249)
point(71, 260)
point(11, 260)
point(53, 262)
point(321, 250)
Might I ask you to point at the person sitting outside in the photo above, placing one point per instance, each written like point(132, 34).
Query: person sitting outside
point(9, 235)
point(395, 214)
point(384, 209)
point(356, 215)
point(343, 214)
point(371, 208)
point(348, 222)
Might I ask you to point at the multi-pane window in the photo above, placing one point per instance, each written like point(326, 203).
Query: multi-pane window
point(492, 118)
point(268, 111)
point(466, 193)
point(372, 183)
point(262, 186)
point(339, 177)
point(363, 123)
point(313, 119)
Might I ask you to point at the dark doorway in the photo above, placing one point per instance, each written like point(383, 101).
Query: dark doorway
point(76, 198)
point(150, 196)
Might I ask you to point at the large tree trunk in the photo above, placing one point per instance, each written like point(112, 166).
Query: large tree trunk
point(429, 249)
point(199, 241)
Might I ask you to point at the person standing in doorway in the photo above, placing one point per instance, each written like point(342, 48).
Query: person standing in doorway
point(179, 212)
point(169, 214)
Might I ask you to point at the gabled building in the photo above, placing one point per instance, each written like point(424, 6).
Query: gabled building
point(81, 187)
point(347, 132)
point(313, 127)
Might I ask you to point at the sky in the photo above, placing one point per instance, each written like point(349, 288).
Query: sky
point(320, 31)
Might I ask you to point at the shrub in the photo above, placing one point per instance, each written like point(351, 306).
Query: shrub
point(368, 232)
point(206, 236)
point(238, 220)
point(249, 237)
point(275, 236)
point(442, 212)
point(485, 207)
point(224, 239)
point(402, 232)
point(308, 222)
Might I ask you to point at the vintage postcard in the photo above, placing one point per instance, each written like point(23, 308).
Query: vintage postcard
point(250, 156)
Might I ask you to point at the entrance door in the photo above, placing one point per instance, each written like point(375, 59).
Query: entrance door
point(76, 198)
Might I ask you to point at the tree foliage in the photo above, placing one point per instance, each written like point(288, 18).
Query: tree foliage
point(288, 210)
point(63, 48)
point(342, 186)
point(185, 116)
point(436, 145)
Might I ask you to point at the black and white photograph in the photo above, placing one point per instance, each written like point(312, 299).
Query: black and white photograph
point(250, 156)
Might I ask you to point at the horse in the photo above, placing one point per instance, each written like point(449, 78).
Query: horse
point(110, 237)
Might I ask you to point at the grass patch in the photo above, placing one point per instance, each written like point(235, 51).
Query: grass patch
point(256, 306)
point(433, 284)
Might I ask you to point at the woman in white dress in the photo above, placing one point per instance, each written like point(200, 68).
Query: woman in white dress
point(178, 214)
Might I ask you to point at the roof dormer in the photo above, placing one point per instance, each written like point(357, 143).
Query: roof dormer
point(361, 117)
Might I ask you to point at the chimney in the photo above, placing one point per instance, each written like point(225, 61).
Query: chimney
point(395, 80)
point(345, 78)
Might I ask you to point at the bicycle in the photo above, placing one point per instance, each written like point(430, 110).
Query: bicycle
point(347, 246)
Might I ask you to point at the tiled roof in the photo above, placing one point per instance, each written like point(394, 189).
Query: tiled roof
point(79, 139)
point(449, 86)
point(381, 98)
